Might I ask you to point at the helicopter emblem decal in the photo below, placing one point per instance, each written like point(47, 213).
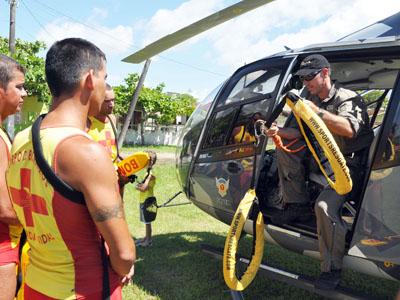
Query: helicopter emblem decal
point(222, 186)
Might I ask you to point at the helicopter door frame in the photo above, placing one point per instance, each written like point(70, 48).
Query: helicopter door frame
point(379, 163)
point(208, 153)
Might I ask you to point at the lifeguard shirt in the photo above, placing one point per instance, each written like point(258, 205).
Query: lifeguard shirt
point(242, 136)
point(150, 190)
point(65, 256)
point(103, 133)
point(9, 234)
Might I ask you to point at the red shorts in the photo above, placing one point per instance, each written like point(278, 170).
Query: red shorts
point(8, 256)
point(7, 253)
point(31, 294)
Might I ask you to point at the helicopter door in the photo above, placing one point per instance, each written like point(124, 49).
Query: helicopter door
point(223, 169)
point(377, 231)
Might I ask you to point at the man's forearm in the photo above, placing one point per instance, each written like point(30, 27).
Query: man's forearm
point(123, 261)
point(337, 124)
point(110, 220)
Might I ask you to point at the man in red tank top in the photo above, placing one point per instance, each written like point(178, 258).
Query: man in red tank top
point(63, 231)
point(12, 92)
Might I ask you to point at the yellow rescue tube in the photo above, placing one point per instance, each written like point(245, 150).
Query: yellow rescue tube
point(343, 183)
point(232, 242)
point(24, 261)
point(133, 163)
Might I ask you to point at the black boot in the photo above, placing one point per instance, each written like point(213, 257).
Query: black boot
point(292, 212)
point(328, 280)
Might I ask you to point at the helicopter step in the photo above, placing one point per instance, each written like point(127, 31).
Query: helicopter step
point(298, 280)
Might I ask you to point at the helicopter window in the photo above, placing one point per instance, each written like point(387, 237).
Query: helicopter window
point(376, 101)
point(243, 129)
point(253, 84)
point(391, 153)
point(372, 31)
point(219, 128)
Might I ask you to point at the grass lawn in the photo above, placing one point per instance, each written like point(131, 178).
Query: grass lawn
point(174, 267)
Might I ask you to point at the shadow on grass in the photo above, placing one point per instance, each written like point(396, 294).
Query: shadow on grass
point(174, 267)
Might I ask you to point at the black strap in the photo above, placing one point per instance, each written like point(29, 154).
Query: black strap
point(66, 191)
point(276, 112)
point(116, 138)
point(243, 133)
point(106, 280)
point(6, 133)
point(253, 178)
point(378, 107)
point(169, 200)
point(56, 182)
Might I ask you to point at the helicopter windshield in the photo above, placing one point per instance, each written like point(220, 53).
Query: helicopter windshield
point(386, 27)
point(253, 84)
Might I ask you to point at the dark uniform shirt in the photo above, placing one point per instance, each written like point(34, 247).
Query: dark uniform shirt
point(350, 105)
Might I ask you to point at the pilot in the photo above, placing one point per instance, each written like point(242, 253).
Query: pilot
point(344, 113)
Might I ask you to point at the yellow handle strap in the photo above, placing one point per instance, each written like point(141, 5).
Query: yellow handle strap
point(232, 242)
point(343, 183)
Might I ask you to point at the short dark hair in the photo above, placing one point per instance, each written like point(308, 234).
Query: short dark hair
point(67, 60)
point(7, 69)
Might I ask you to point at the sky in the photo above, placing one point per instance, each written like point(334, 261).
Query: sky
point(198, 65)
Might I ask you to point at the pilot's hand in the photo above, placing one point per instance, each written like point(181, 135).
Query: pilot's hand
point(272, 131)
point(311, 105)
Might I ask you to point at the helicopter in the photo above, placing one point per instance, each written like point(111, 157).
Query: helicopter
point(216, 170)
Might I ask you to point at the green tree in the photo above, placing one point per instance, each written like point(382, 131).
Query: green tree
point(124, 93)
point(373, 95)
point(153, 102)
point(149, 99)
point(27, 54)
point(148, 102)
point(185, 104)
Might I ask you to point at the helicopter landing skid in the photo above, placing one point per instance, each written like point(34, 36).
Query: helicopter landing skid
point(300, 281)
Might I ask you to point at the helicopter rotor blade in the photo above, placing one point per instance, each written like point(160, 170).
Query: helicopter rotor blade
point(194, 29)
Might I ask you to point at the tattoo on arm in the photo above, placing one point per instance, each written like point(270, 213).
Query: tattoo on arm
point(106, 213)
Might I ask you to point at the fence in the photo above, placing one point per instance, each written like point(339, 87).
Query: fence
point(161, 135)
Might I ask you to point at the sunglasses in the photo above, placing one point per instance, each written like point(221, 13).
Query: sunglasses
point(309, 77)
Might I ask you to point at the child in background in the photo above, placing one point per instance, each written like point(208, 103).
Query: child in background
point(146, 195)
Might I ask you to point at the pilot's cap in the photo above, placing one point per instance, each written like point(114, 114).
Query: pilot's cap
point(312, 64)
